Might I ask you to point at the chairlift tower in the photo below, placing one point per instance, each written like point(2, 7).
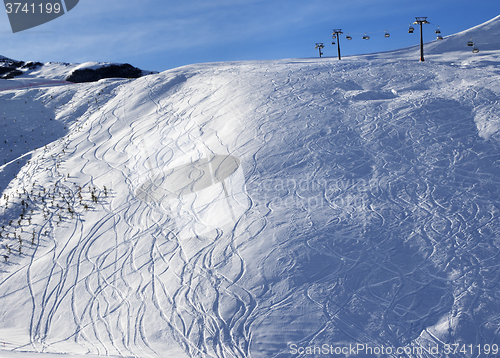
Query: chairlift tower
point(337, 33)
point(319, 46)
point(420, 21)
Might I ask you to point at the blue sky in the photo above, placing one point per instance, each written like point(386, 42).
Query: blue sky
point(163, 34)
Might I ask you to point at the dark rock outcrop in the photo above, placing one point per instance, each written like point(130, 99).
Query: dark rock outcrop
point(12, 74)
point(11, 68)
point(30, 65)
point(6, 69)
point(110, 71)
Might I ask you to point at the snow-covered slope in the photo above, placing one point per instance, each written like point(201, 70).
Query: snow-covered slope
point(486, 37)
point(454, 48)
point(254, 209)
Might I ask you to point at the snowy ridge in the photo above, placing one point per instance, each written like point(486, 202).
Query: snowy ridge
point(453, 48)
point(242, 209)
point(485, 36)
point(56, 71)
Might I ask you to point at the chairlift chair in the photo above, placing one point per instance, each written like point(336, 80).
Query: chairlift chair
point(439, 37)
point(438, 31)
point(475, 50)
point(411, 29)
point(366, 37)
point(387, 34)
point(348, 37)
point(470, 43)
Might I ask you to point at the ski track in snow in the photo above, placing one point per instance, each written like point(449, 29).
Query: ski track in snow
point(372, 214)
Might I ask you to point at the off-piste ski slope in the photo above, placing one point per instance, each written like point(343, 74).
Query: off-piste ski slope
point(257, 209)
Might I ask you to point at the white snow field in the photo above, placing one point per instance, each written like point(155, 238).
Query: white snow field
point(291, 208)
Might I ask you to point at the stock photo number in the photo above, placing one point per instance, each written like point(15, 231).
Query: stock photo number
point(33, 8)
point(25, 15)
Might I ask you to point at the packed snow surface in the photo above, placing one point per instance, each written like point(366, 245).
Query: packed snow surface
point(255, 209)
